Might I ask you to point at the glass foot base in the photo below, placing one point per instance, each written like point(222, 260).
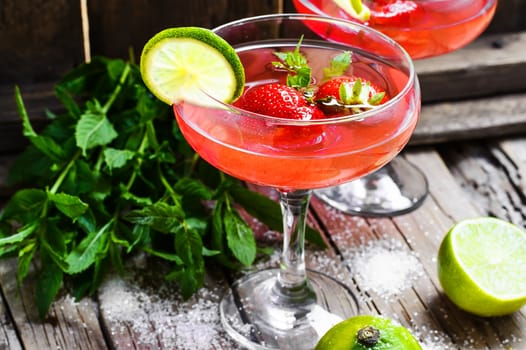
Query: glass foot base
point(397, 188)
point(253, 316)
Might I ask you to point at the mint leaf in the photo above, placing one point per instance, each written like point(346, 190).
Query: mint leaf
point(67, 101)
point(338, 65)
point(166, 256)
point(49, 282)
point(188, 246)
point(240, 238)
point(296, 64)
point(20, 235)
point(301, 79)
point(25, 205)
point(94, 128)
point(85, 254)
point(45, 144)
point(192, 188)
point(117, 158)
point(25, 256)
point(71, 206)
point(160, 216)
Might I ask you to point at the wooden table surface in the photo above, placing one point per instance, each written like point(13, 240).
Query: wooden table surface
point(480, 170)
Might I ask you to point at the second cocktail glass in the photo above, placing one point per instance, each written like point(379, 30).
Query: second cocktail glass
point(291, 307)
point(425, 28)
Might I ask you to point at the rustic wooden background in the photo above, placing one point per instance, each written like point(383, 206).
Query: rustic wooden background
point(42, 39)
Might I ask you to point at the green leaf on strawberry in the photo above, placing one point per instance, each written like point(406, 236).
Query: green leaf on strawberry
point(359, 94)
point(348, 94)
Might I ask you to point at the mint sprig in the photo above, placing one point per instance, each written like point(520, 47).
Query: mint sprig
point(295, 63)
point(338, 65)
point(112, 175)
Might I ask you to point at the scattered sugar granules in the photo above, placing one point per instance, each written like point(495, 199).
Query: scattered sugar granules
point(384, 267)
point(159, 319)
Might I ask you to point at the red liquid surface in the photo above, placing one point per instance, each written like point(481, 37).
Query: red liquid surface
point(439, 27)
point(270, 152)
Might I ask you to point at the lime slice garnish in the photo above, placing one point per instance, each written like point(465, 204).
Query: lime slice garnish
point(191, 64)
point(355, 9)
point(482, 266)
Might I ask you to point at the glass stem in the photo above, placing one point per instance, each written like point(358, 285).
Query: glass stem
point(292, 277)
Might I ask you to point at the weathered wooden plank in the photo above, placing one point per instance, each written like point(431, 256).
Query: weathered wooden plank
point(69, 325)
point(471, 119)
point(117, 25)
point(8, 337)
point(39, 40)
point(492, 64)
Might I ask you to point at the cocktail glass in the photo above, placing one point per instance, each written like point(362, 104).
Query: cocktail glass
point(292, 307)
point(439, 26)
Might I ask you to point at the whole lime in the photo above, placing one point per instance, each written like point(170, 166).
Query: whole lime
point(482, 266)
point(367, 332)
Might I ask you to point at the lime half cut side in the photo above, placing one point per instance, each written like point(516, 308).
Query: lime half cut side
point(191, 64)
point(482, 266)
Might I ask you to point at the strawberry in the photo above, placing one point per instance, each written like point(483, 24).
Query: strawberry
point(348, 94)
point(278, 100)
point(394, 13)
point(297, 137)
point(275, 100)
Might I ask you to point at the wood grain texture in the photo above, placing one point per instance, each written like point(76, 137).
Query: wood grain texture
point(118, 25)
point(39, 40)
point(471, 119)
point(493, 64)
point(69, 325)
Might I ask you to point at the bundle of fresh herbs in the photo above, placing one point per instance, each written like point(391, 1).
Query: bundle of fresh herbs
point(111, 175)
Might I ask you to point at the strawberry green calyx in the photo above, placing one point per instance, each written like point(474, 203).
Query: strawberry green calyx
point(355, 8)
point(358, 94)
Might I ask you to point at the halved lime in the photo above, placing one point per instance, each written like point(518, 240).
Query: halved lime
point(191, 64)
point(368, 332)
point(482, 266)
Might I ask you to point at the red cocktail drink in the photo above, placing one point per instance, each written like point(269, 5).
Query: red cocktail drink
point(293, 154)
point(435, 28)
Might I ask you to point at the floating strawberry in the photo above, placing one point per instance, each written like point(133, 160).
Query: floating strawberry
point(296, 136)
point(348, 95)
point(275, 99)
point(386, 13)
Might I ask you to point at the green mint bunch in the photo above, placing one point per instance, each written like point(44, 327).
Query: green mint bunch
point(112, 175)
